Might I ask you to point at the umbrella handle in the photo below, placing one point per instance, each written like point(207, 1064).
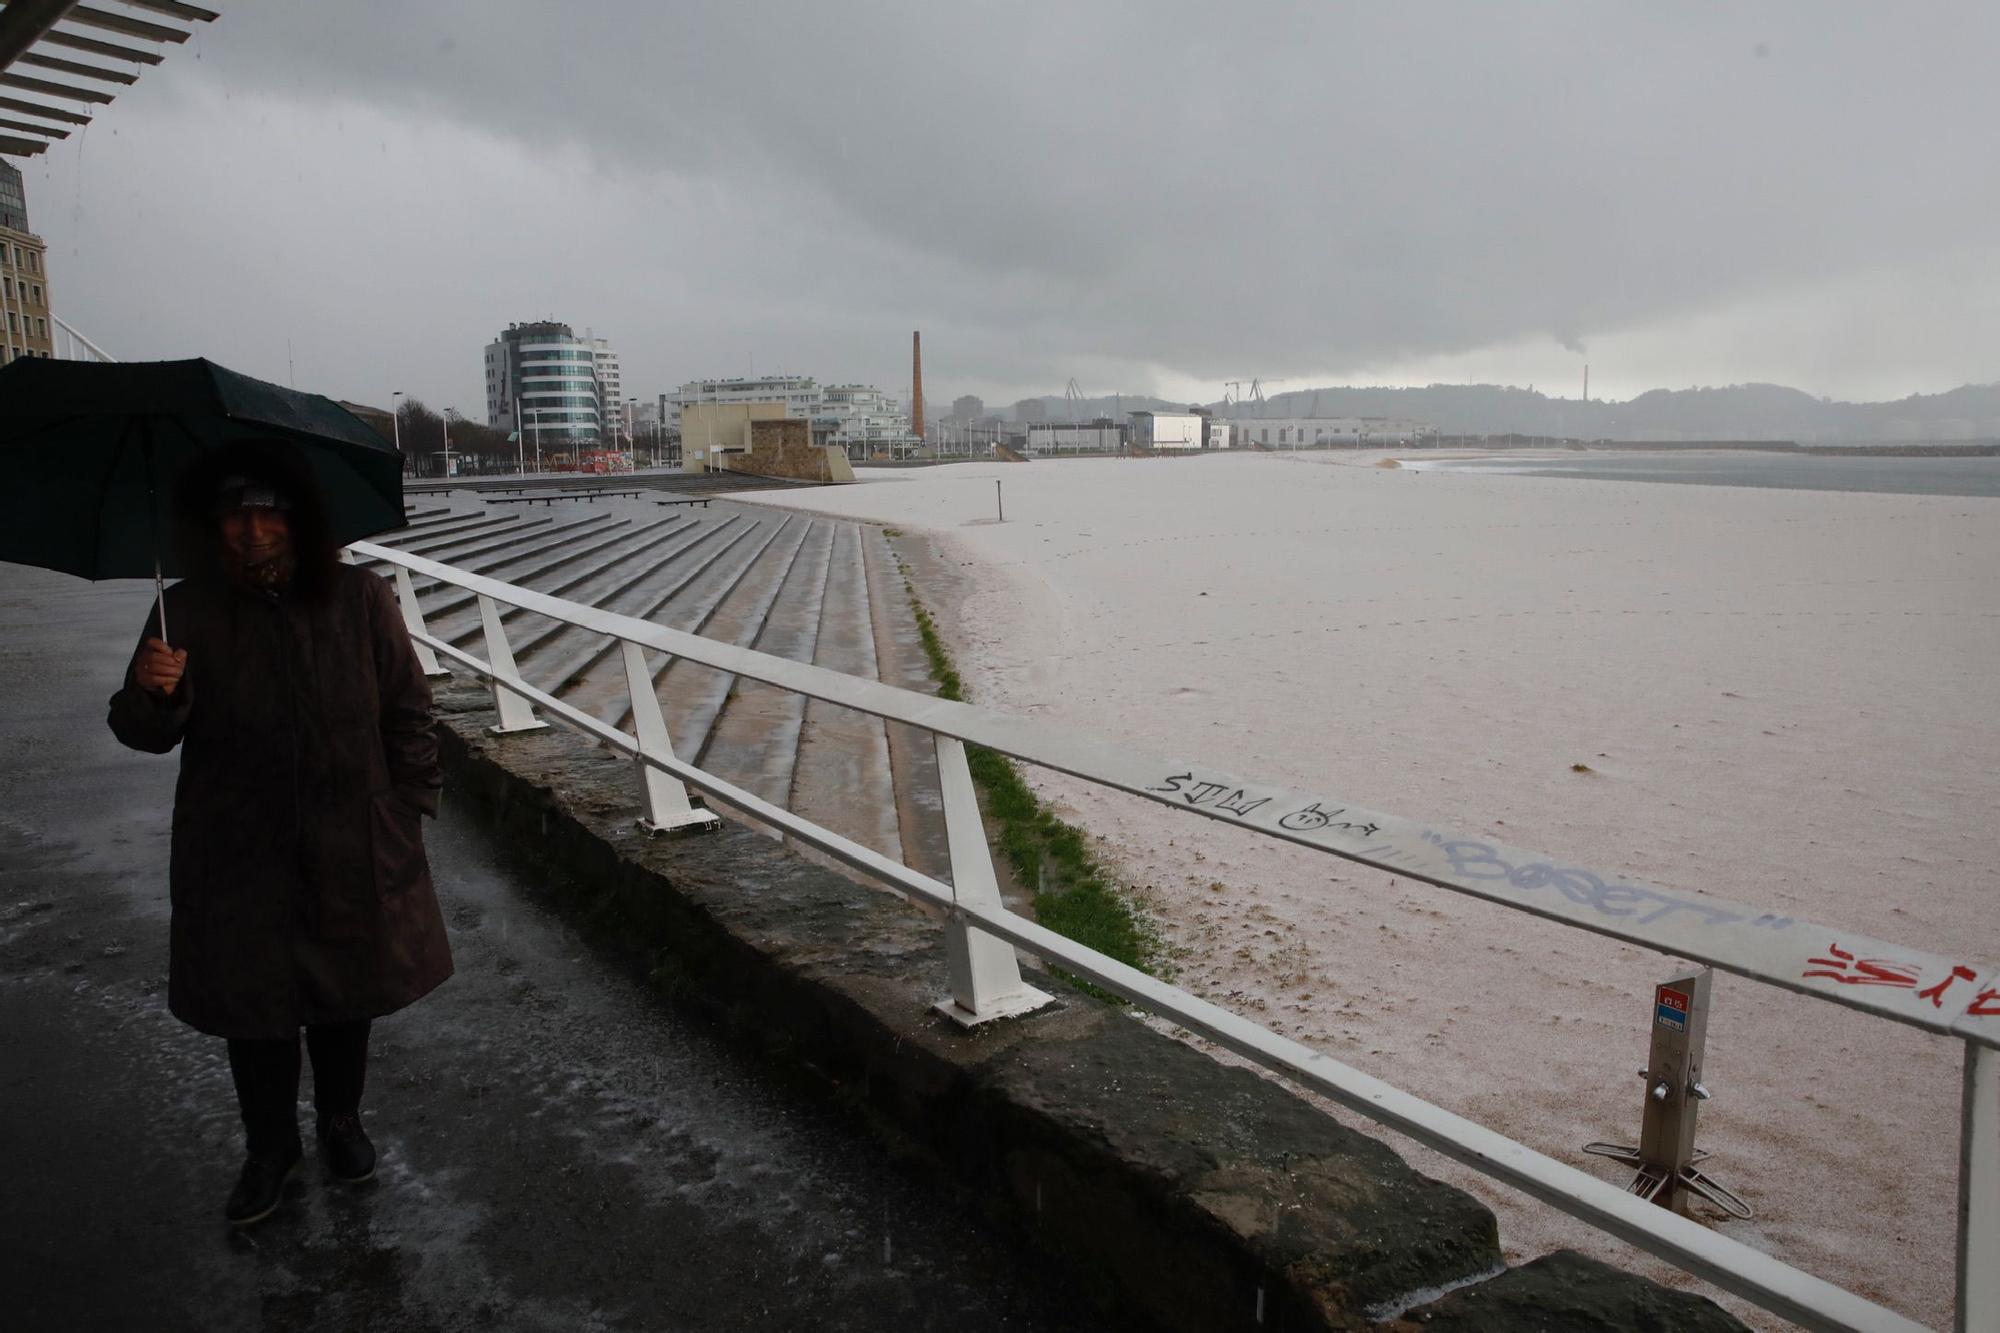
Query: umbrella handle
point(160, 598)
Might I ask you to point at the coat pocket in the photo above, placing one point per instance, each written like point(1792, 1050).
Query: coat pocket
point(397, 837)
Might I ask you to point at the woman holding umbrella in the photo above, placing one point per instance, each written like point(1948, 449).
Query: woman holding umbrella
point(301, 895)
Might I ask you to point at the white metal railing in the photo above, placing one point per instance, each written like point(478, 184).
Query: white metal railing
point(1941, 994)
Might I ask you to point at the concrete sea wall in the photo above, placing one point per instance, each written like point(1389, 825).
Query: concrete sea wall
point(1179, 1192)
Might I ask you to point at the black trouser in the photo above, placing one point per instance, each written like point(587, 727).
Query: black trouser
point(267, 1081)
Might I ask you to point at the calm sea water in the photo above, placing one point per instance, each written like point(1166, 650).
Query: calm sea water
point(1807, 472)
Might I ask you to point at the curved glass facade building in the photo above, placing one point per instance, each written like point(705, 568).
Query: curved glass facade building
point(543, 379)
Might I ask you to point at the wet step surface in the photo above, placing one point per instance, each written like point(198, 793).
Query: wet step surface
point(813, 589)
point(842, 777)
point(757, 732)
point(560, 1148)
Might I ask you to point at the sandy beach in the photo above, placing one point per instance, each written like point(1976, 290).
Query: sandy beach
point(1782, 697)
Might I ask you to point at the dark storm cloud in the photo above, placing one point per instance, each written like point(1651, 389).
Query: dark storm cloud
point(1205, 189)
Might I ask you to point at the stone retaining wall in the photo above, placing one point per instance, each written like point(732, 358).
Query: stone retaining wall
point(1182, 1193)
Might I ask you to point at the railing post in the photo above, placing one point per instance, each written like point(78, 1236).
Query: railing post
point(1979, 1193)
point(1666, 1157)
point(413, 620)
point(667, 805)
point(985, 975)
point(516, 713)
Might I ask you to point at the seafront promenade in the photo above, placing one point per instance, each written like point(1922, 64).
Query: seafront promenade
point(561, 1148)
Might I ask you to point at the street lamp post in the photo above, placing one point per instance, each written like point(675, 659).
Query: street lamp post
point(396, 421)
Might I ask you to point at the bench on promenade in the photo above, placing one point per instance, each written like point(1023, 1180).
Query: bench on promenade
point(701, 500)
point(553, 496)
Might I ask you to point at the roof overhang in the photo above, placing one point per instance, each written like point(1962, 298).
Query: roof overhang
point(37, 39)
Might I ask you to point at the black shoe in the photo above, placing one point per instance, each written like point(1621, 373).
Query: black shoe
point(344, 1147)
point(261, 1186)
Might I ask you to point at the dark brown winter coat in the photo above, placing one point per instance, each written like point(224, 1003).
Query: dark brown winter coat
point(301, 893)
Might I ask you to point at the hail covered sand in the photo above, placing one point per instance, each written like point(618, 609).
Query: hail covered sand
point(1780, 697)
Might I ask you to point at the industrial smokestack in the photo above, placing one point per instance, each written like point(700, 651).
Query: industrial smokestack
point(917, 384)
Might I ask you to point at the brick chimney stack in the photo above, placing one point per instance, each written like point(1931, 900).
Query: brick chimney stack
point(917, 384)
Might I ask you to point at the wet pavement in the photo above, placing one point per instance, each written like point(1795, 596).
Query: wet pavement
point(560, 1148)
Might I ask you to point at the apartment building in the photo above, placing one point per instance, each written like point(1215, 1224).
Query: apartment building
point(25, 321)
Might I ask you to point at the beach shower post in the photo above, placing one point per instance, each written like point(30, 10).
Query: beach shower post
point(1666, 1158)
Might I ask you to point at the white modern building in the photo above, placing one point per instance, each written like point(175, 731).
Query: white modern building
point(542, 379)
point(863, 420)
point(613, 413)
point(1048, 437)
point(860, 418)
point(1306, 432)
point(1167, 430)
point(799, 394)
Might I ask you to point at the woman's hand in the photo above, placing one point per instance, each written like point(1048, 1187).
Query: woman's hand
point(158, 668)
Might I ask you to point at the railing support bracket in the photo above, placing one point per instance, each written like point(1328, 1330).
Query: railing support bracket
point(668, 809)
point(516, 713)
point(413, 620)
point(985, 975)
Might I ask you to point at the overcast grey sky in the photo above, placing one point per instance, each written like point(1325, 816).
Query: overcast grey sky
point(1148, 196)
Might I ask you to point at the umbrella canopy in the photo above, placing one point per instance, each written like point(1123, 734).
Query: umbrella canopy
point(89, 452)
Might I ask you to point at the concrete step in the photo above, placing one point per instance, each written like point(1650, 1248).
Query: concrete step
point(842, 776)
point(899, 653)
point(483, 525)
point(613, 584)
point(693, 695)
point(538, 559)
point(755, 739)
point(444, 521)
point(813, 589)
point(692, 611)
point(654, 594)
point(580, 571)
point(574, 530)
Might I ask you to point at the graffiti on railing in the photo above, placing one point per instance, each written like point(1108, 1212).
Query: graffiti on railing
point(1215, 795)
point(1848, 970)
point(1843, 967)
point(1641, 902)
point(1236, 801)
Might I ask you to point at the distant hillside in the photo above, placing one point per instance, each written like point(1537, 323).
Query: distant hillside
point(1738, 412)
point(1054, 407)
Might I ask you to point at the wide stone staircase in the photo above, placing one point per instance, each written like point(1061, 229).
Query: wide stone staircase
point(812, 589)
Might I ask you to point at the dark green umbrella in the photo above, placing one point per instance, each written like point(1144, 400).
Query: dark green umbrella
point(89, 451)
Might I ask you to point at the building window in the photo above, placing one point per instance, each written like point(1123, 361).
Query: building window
point(34, 262)
point(38, 294)
point(41, 327)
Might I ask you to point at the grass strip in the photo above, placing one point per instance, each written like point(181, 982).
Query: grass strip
point(1075, 895)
